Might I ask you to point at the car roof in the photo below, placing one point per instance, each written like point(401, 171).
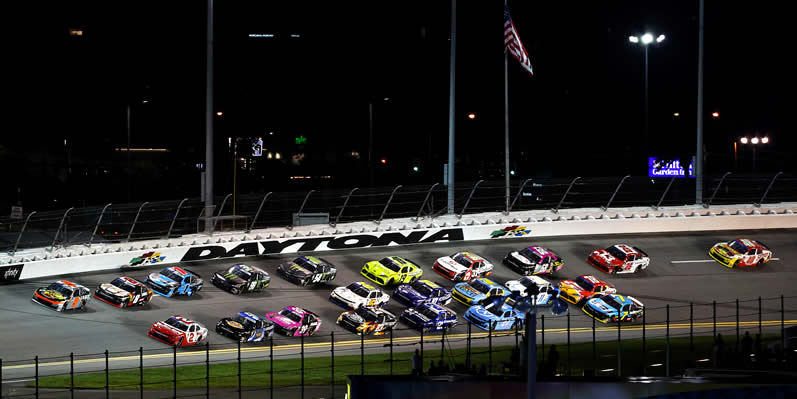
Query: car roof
point(537, 280)
point(748, 243)
point(487, 281)
point(296, 309)
point(250, 316)
point(621, 299)
point(178, 270)
point(470, 255)
point(365, 285)
point(429, 283)
point(626, 249)
point(592, 279)
point(130, 280)
point(183, 319)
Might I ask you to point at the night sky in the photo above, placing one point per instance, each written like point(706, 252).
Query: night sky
point(581, 114)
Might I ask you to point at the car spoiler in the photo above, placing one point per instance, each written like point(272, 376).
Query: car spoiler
point(192, 272)
point(763, 245)
point(641, 251)
point(635, 301)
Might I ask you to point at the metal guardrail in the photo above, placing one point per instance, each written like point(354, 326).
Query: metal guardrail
point(114, 223)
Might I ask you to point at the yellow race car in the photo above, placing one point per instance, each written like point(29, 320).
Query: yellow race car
point(391, 270)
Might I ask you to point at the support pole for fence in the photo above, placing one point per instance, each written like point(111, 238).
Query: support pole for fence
point(737, 325)
point(608, 204)
point(174, 219)
point(421, 350)
point(644, 342)
point(490, 350)
point(346, 202)
point(302, 361)
point(60, 225)
point(259, 208)
point(221, 210)
point(141, 371)
point(301, 208)
point(107, 388)
point(594, 350)
point(561, 201)
point(391, 351)
point(443, 345)
point(207, 369)
point(519, 193)
point(542, 336)
point(362, 354)
point(271, 367)
point(691, 328)
point(782, 326)
point(710, 200)
point(769, 187)
point(425, 200)
point(389, 200)
point(667, 354)
point(714, 317)
point(71, 375)
point(619, 352)
point(332, 361)
point(467, 353)
point(467, 202)
point(97, 225)
point(135, 220)
point(568, 344)
point(666, 190)
point(36, 360)
point(531, 355)
point(1, 377)
point(19, 237)
point(174, 370)
point(239, 369)
point(759, 318)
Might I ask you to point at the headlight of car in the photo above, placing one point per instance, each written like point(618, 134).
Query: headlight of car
point(340, 318)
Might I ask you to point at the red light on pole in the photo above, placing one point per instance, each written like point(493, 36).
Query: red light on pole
point(383, 161)
point(715, 114)
point(219, 113)
point(471, 116)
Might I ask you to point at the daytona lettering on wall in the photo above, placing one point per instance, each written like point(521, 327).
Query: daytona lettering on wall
point(10, 273)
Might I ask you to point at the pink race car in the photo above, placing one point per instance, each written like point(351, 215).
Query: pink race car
point(294, 321)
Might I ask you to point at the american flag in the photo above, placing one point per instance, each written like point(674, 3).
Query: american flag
point(513, 44)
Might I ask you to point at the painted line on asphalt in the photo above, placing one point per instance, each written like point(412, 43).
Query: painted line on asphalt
point(702, 261)
point(411, 339)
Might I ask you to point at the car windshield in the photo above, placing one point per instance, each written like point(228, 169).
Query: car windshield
point(66, 292)
point(177, 324)
point(291, 315)
point(530, 255)
point(366, 314)
point(611, 302)
point(422, 288)
point(584, 284)
point(305, 263)
point(238, 271)
point(358, 290)
point(616, 252)
point(495, 307)
point(737, 246)
point(123, 284)
point(480, 286)
point(526, 282)
point(461, 259)
point(171, 274)
point(243, 320)
point(390, 264)
point(428, 312)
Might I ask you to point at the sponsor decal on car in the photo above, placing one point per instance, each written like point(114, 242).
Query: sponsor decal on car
point(511, 231)
point(10, 273)
point(148, 258)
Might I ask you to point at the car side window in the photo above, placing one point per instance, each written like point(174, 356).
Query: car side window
point(436, 293)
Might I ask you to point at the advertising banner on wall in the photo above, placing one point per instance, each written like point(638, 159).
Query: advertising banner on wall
point(659, 167)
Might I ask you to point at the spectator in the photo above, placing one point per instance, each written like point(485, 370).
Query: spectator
point(553, 361)
point(719, 350)
point(433, 369)
point(416, 363)
point(747, 347)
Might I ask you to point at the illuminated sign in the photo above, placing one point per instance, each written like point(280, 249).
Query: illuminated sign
point(667, 168)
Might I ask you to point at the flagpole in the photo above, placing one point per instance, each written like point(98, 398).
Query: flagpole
point(451, 103)
point(506, 129)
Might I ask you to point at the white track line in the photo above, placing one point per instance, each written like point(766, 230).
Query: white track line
point(701, 261)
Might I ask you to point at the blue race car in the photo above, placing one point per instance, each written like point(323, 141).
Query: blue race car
point(245, 327)
point(421, 291)
point(613, 307)
point(474, 292)
point(494, 312)
point(173, 281)
point(429, 317)
point(546, 293)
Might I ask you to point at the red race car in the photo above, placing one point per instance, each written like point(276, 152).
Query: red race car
point(619, 258)
point(178, 331)
point(583, 288)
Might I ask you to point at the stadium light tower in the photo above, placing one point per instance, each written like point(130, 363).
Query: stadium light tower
point(646, 40)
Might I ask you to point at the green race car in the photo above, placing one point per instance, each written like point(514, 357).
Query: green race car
point(391, 270)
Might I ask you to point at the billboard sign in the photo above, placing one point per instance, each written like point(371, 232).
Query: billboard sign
point(667, 168)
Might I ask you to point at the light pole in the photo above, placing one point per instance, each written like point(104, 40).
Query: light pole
point(129, 171)
point(646, 41)
point(371, 139)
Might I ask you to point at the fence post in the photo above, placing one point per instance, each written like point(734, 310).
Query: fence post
point(594, 350)
point(737, 325)
point(346, 202)
point(19, 237)
point(691, 329)
point(517, 342)
point(223, 202)
point(759, 318)
point(568, 344)
point(60, 225)
point(301, 208)
point(207, 369)
point(1, 376)
point(174, 219)
point(556, 210)
point(174, 371)
point(389, 200)
point(107, 393)
point(722, 179)
point(542, 336)
point(467, 352)
point(490, 350)
point(141, 371)
point(362, 354)
point(714, 317)
point(135, 220)
point(36, 360)
point(619, 352)
point(519, 193)
point(301, 343)
point(391, 351)
point(667, 353)
point(761, 201)
point(94, 232)
point(608, 204)
point(239, 369)
point(666, 190)
point(259, 208)
point(332, 364)
point(71, 375)
point(443, 345)
point(421, 350)
point(271, 366)
point(644, 343)
point(425, 200)
point(467, 202)
point(782, 327)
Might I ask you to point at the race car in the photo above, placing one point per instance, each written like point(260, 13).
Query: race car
point(534, 260)
point(429, 317)
point(306, 270)
point(123, 292)
point(294, 321)
point(173, 281)
point(546, 292)
point(742, 252)
point(613, 307)
point(494, 315)
point(245, 327)
point(62, 295)
point(421, 291)
point(463, 266)
point(357, 295)
point(474, 292)
point(391, 270)
point(178, 331)
point(366, 321)
point(619, 258)
point(238, 279)
point(583, 288)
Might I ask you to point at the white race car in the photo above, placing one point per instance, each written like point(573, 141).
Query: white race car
point(546, 292)
point(359, 294)
point(463, 266)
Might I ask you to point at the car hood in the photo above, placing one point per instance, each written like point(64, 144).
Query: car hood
point(376, 268)
point(50, 294)
point(570, 286)
point(410, 293)
point(725, 249)
point(345, 293)
point(412, 313)
point(467, 290)
point(354, 317)
point(604, 257)
point(165, 328)
point(600, 305)
point(294, 269)
point(522, 259)
point(515, 285)
point(114, 290)
point(448, 263)
point(232, 324)
point(281, 320)
point(161, 279)
point(229, 277)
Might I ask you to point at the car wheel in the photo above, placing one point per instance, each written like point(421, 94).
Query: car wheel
point(760, 262)
point(180, 342)
point(235, 291)
point(123, 305)
point(614, 271)
point(305, 282)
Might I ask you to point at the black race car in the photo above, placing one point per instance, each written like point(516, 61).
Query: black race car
point(307, 270)
point(123, 292)
point(241, 278)
point(365, 321)
point(245, 327)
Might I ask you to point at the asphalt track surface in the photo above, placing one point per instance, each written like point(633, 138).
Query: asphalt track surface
point(680, 272)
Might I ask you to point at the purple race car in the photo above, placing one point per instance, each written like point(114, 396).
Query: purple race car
point(294, 321)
